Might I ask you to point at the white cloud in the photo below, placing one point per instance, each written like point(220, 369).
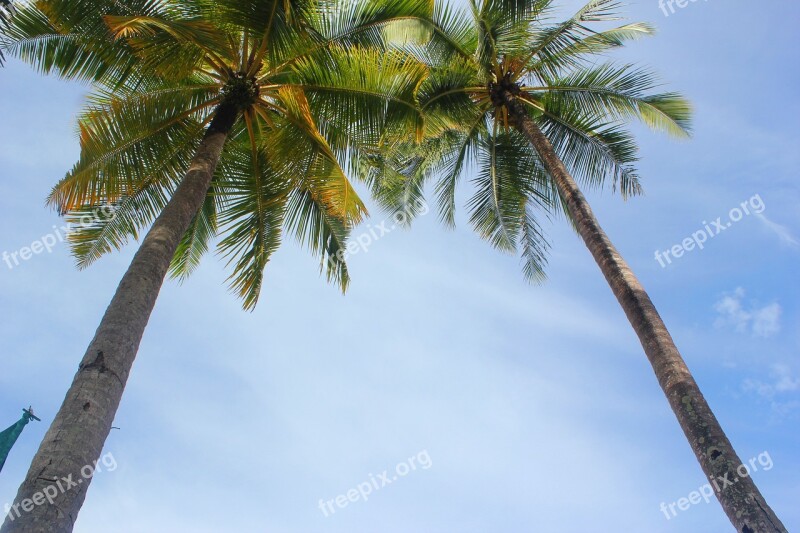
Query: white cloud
point(731, 312)
point(766, 321)
point(761, 321)
point(780, 391)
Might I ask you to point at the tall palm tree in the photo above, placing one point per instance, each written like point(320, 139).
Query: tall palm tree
point(528, 106)
point(233, 118)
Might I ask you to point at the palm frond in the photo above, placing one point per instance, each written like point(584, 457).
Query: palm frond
point(621, 92)
point(593, 150)
point(508, 177)
point(553, 47)
point(252, 214)
point(360, 92)
point(128, 140)
point(324, 234)
point(194, 243)
point(93, 236)
point(70, 45)
point(534, 247)
point(171, 48)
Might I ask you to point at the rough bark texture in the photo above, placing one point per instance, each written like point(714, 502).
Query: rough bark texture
point(739, 496)
point(77, 434)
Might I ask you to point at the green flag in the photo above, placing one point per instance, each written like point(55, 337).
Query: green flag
point(9, 436)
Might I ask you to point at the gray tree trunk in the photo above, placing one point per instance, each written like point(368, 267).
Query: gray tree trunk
point(738, 494)
point(55, 487)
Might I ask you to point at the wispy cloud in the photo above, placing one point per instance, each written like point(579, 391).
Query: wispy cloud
point(783, 381)
point(780, 390)
point(783, 233)
point(760, 321)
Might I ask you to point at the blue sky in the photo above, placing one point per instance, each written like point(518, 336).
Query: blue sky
point(535, 405)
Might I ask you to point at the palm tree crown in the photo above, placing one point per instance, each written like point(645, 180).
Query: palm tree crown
point(579, 104)
point(311, 87)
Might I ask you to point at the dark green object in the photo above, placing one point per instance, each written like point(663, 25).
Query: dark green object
point(9, 436)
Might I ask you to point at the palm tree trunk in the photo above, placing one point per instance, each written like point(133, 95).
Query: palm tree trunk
point(741, 499)
point(52, 494)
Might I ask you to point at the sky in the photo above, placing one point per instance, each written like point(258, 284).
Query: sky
point(497, 405)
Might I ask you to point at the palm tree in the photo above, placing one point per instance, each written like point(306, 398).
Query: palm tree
point(529, 106)
point(233, 118)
